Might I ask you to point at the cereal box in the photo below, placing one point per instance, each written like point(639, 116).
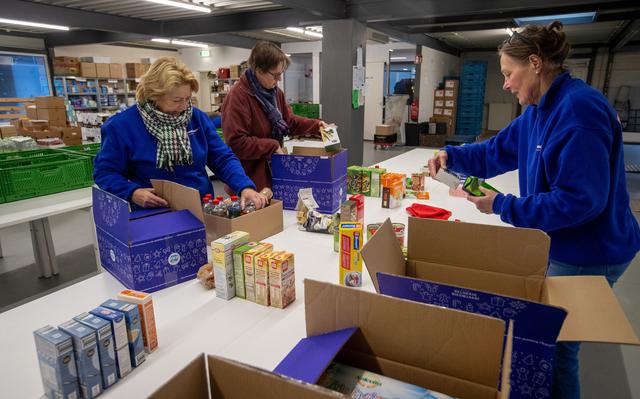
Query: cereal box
point(249, 265)
point(238, 267)
point(354, 179)
point(282, 280)
point(262, 277)
point(147, 316)
point(351, 241)
point(222, 255)
point(349, 211)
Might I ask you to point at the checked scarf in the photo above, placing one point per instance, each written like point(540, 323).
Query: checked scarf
point(174, 147)
point(267, 100)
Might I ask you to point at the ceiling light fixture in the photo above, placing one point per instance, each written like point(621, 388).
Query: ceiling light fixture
point(391, 50)
point(566, 19)
point(294, 29)
point(397, 58)
point(190, 44)
point(33, 24)
point(159, 40)
point(312, 33)
point(180, 4)
point(509, 31)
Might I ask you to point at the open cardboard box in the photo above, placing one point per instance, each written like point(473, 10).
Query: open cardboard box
point(427, 347)
point(499, 271)
point(260, 224)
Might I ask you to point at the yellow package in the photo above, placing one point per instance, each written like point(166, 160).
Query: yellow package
point(249, 258)
point(282, 280)
point(262, 277)
point(351, 241)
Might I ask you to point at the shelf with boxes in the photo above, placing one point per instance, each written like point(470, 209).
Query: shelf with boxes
point(221, 82)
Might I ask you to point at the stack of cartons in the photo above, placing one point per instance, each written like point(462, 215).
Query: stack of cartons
point(144, 302)
point(106, 349)
point(136, 70)
point(134, 333)
point(52, 109)
point(121, 342)
point(85, 347)
point(250, 258)
point(451, 101)
point(66, 66)
point(57, 363)
point(222, 255)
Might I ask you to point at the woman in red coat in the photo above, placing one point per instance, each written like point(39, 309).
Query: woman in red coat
point(256, 117)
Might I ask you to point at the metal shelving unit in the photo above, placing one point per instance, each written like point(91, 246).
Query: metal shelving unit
point(92, 87)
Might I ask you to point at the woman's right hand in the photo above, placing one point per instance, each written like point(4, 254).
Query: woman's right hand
point(437, 162)
point(146, 198)
point(280, 150)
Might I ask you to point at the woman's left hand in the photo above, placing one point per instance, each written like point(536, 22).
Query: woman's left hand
point(484, 204)
point(325, 125)
point(249, 194)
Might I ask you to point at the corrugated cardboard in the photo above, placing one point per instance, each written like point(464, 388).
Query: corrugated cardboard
point(385, 130)
point(50, 102)
point(102, 70)
point(31, 111)
point(115, 71)
point(7, 131)
point(55, 116)
point(260, 224)
point(506, 266)
point(88, 70)
point(449, 351)
point(136, 70)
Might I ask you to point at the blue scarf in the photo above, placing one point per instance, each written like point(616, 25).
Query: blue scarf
point(267, 100)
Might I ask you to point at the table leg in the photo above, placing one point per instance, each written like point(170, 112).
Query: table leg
point(51, 251)
point(1, 255)
point(40, 251)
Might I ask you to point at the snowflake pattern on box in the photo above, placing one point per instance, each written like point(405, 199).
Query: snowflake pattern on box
point(532, 357)
point(300, 166)
point(109, 208)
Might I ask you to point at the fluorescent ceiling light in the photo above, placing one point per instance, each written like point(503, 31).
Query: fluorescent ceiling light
point(287, 54)
point(391, 50)
point(509, 31)
point(34, 24)
point(190, 44)
point(397, 58)
point(180, 4)
point(159, 40)
point(566, 19)
point(312, 33)
point(294, 29)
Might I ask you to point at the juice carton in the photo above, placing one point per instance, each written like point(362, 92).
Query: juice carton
point(282, 280)
point(351, 241)
point(144, 302)
point(106, 348)
point(249, 265)
point(238, 267)
point(222, 255)
point(376, 184)
point(392, 189)
point(57, 363)
point(134, 330)
point(262, 277)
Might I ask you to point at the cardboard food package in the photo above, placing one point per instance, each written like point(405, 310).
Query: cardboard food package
point(88, 70)
point(115, 71)
point(314, 168)
point(385, 130)
point(500, 272)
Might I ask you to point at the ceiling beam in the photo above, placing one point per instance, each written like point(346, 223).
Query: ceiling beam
point(326, 9)
point(415, 38)
point(91, 37)
point(238, 22)
point(629, 32)
point(224, 40)
point(76, 18)
point(461, 27)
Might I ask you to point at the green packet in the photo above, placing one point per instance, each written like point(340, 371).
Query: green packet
point(472, 186)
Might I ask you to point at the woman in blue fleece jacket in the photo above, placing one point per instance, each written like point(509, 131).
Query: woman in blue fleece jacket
point(164, 137)
point(567, 147)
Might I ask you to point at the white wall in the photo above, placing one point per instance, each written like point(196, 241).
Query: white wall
point(298, 80)
point(118, 54)
point(315, 48)
point(435, 65)
point(21, 42)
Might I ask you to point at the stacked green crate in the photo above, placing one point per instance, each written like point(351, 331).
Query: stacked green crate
point(306, 110)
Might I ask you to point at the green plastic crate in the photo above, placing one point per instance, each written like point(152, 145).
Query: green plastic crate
point(306, 110)
point(85, 149)
point(43, 174)
point(26, 154)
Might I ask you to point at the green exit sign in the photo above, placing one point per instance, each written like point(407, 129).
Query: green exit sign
point(205, 53)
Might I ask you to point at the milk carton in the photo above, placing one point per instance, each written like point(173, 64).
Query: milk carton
point(119, 330)
point(134, 330)
point(87, 359)
point(106, 347)
point(238, 267)
point(57, 363)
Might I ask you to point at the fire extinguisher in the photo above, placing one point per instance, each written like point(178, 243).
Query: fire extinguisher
point(414, 111)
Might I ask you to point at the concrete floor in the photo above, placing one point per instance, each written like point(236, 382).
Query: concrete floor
point(606, 370)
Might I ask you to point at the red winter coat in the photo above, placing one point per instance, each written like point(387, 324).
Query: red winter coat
point(247, 130)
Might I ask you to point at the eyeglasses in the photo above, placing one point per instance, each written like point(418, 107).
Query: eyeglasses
point(518, 36)
point(276, 76)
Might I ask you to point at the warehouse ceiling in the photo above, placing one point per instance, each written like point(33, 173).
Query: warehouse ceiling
point(451, 26)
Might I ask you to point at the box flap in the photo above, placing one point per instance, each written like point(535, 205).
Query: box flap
point(144, 212)
point(162, 226)
point(594, 313)
point(311, 356)
point(501, 249)
point(423, 336)
point(190, 382)
point(111, 213)
point(315, 151)
point(382, 253)
point(179, 196)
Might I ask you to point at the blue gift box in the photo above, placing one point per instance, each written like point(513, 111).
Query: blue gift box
point(308, 167)
point(148, 250)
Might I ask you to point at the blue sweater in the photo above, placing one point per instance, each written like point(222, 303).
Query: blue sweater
point(568, 149)
point(127, 157)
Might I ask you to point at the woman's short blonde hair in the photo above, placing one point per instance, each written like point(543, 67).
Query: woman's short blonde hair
point(164, 75)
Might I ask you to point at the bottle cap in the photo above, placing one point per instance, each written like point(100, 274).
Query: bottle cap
point(234, 198)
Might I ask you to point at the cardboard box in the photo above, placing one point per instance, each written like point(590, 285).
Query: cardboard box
point(438, 103)
point(115, 71)
point(350, 261)
point(312, 168)
point(106, 347)
point(260, 224)
point(354, 179)
point(96, 59)
point(438, 111)
point(448, 351)
point(385, 130)
point(445, 119)
point(144, 302)
point(222, 257)
point(450, 103)
point(504, 278)
point(103, 70)
point(87, 359)
point(66, 66)
point(451, 84)
point(450, 93)
point(50, 102)
point(438, 93)
point(120, 339)
point(31, 112)
point(150, 249)
point(35, 124)
point(448, 112)
point(249, 264)
point(282, 280)
point(234, 71)
point(134, 330)
point(88, 70)
point(238, 267)
point(72, 135)
point(136, 70)
point(57, 363)
point(7, 131)
point(55, 116)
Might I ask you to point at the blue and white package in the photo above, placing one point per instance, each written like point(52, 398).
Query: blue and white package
point(119, 330)
point(85, 348)
point(106, 347)
point(57, 363)
point(134, 329)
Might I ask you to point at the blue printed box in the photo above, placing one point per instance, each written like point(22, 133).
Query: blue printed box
point(500, 272)
point(87, 359)
point(147, 250)
point(106, 347)
point(120, 340)
point(134, 329)
point(57, 363)
point(308, 167)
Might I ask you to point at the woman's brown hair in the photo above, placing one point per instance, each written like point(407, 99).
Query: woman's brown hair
point(266, 55)
point(547, 42)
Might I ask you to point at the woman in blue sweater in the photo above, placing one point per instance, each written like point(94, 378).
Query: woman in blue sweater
point(567, 146)
point(165, 137)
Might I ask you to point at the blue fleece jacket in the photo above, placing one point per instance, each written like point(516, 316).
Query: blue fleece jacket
point(568, 150)
point(127, 157)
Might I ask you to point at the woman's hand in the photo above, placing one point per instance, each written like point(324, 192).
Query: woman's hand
point(325, 125)
point(146, 198)
point(484, 204)
point(437, 162)
point(249, 194)
point(280, 150)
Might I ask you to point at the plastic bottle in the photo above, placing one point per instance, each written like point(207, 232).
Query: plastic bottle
point(234, 209)
point(206, 205)
point(249, 207)
point(218, 208)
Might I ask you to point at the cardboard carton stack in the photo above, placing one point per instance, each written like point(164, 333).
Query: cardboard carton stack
point(137, 69)
point(66, 66)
